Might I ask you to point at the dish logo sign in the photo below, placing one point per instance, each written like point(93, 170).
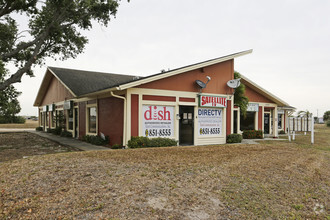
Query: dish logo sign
point(154, 113)
point(212, 101)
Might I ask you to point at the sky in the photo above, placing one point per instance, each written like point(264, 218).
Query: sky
point(290, 42)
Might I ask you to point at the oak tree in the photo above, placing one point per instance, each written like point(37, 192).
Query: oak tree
point(54, 30)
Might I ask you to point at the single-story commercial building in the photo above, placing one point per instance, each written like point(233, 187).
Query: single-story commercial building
point(192, 104)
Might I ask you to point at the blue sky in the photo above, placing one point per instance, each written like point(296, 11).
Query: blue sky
point(290, 42)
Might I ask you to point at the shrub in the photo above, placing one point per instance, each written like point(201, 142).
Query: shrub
point(234, 138)
point(57, 131)
point(66, 134)
point(96, 139)
point(162, 142)
point(49, 130)
point(252, 134)
point(139, 142)
point(39, 129)
point(281, 132)
point(116, 146)
point(328, 123)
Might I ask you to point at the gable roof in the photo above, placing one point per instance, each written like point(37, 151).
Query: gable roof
point(83, 82)
point(80, 82)
point(263, 91)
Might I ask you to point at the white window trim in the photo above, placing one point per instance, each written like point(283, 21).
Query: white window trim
point(87, 119)
point(67, 120)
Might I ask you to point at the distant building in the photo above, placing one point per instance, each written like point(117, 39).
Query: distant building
point(320, 120)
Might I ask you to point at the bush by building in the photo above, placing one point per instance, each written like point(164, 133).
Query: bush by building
point(39, 128)
point(117, 146)
point(234, 138)
point(96, 139)
point(66, 134)
point(140, 142)
point(252, 134)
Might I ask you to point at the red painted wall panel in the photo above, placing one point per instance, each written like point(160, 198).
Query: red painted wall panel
point(159, 98)
point(260, 113)
point(255, 97)
point(182, 99)
point(228, 119)
point(220, 74)
point(134, 115)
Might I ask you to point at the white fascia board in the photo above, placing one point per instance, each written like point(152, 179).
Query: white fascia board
point(182, 70)
point(265, 92)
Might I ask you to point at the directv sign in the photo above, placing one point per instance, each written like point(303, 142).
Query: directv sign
point(212, 101)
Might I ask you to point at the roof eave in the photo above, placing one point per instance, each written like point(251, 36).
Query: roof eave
point(264, 92)
point(182, 70)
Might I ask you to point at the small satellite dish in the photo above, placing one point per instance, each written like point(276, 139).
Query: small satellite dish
point(234, 83)
point(200, 84)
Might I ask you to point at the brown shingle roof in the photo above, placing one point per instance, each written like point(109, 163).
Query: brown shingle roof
point(83, 82)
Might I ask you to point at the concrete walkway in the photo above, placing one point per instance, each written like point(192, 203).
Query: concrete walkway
point(254, 141)
point(71, 142)
point(6, 130)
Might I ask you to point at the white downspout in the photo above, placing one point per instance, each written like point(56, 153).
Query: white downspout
point(125, 116)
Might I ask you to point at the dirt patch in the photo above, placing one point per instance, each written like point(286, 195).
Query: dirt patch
point(22, 145)
point(278, 180)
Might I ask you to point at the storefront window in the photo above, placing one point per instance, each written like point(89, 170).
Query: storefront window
point(92, 120)
point(247, 123)
point(47, 118)
point(279, 121)
point(52, 119)
point(41, 119)
point(70, 119)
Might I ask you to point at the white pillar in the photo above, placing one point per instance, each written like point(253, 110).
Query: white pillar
point(275, 122)
point(312, 132)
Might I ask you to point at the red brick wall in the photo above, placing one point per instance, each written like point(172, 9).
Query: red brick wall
point(111, 118)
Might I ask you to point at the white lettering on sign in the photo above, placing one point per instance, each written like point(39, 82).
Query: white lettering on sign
point(158, 121)
point(209, 121)
point(212, 101)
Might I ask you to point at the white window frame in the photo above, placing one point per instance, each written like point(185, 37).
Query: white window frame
point(88, 106)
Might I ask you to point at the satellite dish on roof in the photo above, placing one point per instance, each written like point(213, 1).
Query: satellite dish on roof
point(234, 83)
